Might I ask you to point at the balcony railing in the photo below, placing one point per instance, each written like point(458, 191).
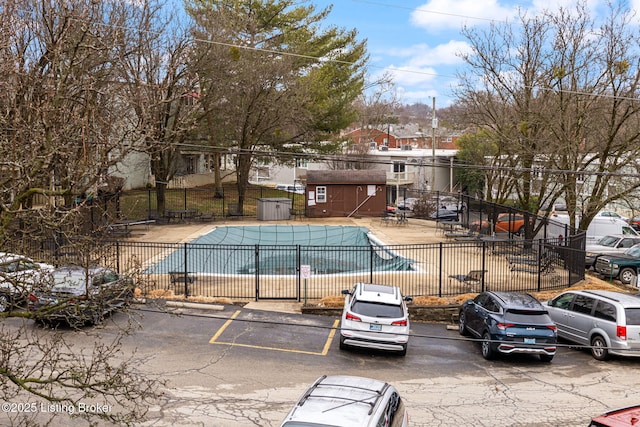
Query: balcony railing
point(401, 178)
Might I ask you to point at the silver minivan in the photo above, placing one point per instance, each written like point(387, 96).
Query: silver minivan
point(608, 322)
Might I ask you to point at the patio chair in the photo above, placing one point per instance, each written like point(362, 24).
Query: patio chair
point(234, 211)
point(473, 277)
point(401, 219)
point(386, 217)
point(181, 281)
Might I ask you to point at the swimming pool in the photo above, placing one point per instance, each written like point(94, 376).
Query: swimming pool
point(281, 249)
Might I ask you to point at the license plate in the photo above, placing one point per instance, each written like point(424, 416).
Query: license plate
point(529, 340)
point(375, 327)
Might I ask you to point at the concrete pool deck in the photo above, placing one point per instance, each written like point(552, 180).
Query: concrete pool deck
point(390, 233)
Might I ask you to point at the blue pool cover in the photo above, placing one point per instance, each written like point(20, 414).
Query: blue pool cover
point(279, 249)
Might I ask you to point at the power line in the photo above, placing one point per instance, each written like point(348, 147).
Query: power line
point(421, 10)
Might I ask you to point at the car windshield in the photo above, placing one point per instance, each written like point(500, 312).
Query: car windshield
point(632, 315)
point(609, 241)
point(633, 251)
point(373, 309)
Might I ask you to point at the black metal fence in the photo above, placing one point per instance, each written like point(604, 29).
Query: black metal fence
point(205, 201)
point(528, 259)
point(278, 272)
point(210, 203)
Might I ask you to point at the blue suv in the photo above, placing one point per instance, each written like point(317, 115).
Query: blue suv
point(509, 322)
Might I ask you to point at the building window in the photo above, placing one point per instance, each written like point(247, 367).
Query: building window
point(302, 163)
point(321, 194)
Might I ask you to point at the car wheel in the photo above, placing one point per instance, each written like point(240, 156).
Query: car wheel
point(546, 358)
point(487, 346)
point(599, 348)
point(462, 324)
point(627, 275)
point(5, 302)
point(45, 323)
point(343, 346)
point(403, 352)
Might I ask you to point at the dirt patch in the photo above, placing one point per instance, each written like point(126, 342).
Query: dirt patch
point(168, 294)
point(590, 282)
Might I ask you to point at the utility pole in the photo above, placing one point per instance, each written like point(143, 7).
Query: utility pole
point(434, 125)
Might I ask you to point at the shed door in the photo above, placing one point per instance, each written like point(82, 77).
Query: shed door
point(337, 202)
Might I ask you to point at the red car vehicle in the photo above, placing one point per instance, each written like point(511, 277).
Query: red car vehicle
point(625, 417)
point(505, 223)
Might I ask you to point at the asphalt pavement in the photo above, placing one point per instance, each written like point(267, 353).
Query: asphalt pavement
point(250, 372)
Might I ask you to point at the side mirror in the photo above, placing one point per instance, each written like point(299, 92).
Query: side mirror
point(346, 292)
point(408, 299)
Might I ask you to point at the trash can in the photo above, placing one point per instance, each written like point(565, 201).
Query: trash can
point(274, 209)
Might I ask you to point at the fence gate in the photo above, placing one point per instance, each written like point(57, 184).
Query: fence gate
point(277, 272)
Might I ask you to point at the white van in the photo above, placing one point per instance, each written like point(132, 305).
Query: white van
point(600, 226)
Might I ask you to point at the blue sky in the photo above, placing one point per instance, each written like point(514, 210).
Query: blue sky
point(417, 40)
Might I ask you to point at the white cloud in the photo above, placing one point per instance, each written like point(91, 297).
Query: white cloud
point(420, 70)
point(411, 75)
point(420, 55)
point(447, 14)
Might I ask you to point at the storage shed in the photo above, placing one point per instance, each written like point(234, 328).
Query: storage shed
point(274, 209)
point(345, 193)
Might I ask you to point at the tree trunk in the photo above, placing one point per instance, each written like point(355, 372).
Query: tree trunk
point(161, 188)
point(217, 179)
point(244, 167)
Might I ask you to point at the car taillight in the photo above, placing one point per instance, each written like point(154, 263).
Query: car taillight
point(621, 332)
point(400, 322)
point(353, 317)
point(503, 326)
point(554, 328)
point(33, 298)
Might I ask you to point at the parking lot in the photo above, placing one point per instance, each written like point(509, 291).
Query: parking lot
point(244, 367)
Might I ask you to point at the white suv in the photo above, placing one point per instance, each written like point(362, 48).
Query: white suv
point(375, 316)
point(345, 401)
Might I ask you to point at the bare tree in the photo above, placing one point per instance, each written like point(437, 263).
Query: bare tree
point(162, 92)
point(64, 122)
point(58, 379)
point(557, 97)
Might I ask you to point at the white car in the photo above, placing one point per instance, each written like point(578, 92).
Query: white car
point(18, 274)
point(407, 204)
point(346, 401)
point(376, 317)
